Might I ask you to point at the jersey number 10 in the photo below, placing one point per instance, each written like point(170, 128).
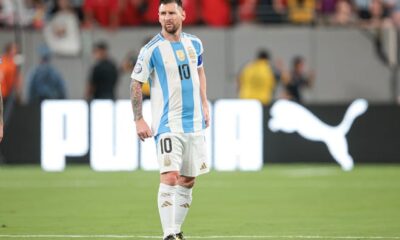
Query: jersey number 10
point(184, 71)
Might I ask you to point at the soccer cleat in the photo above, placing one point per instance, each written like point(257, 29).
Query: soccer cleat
point(170, 237)
point(179, 236)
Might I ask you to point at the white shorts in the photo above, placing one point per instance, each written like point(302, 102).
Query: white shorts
point(183, 152)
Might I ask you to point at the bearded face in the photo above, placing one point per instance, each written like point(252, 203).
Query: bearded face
point(171, 17)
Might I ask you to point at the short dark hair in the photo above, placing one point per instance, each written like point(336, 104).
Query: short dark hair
point(179, 2)
point(101, 45)
point(263, 54)
point(297, 60)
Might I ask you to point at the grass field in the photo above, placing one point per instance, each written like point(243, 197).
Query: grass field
point(280, 202)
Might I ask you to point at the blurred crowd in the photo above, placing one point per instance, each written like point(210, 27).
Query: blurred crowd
point(128, 13)
point(267, 79)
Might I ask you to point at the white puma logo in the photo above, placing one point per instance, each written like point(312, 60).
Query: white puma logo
point(290, 117)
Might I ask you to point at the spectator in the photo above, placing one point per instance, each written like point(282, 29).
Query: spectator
point(10, 76)
point(362, 8)
point(62, 31)
point(45, 81)
point(343, 13)
point(327, 7)
point(103, 76)
point(326, 10)
point(378, 13)
point(373, 13)
point(247, 10)
point(257, 80)
point(75, 5)
point(14, 12)
point(301, 11)
point(101, 12)
point(271, 11)
point(39, 13)
point(298, 79)
point(394, 7)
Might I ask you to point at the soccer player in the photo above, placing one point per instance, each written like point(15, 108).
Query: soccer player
point(172, 63)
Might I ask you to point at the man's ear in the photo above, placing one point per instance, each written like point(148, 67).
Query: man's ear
point(183, 15)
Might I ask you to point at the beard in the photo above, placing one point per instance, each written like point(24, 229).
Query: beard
point(172, 29)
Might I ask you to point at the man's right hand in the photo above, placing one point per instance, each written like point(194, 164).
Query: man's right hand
point(142, 129)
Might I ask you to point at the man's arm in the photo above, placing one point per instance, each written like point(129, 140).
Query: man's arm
point(203, 94)
point(142, 128)
point(136, 99)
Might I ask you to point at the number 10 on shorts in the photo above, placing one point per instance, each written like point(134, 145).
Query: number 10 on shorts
point(166, 145)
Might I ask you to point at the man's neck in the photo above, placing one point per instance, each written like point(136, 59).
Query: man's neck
point(176, 37)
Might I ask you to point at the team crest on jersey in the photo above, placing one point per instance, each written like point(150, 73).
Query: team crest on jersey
point(138, 68)
point(167, 161)
point(181, 55)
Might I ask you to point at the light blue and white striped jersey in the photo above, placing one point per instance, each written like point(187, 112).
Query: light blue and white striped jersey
point(171, 69)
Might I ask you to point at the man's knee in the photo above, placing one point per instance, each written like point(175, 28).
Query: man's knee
point(187, 182)
point(169, 178)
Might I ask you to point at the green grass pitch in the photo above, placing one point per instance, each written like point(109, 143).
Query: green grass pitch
point(279, 202)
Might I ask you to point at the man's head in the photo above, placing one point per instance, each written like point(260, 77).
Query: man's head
point(100, 50)
point(11, 49)
point(171, 15)
point(178, 2)
point(44, 52)
point(298, 63)
point(263, 54)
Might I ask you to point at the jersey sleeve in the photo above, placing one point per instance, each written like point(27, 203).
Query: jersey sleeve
point(198, 45)
point(143, 66)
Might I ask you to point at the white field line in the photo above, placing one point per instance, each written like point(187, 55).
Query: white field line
point(194, 237)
